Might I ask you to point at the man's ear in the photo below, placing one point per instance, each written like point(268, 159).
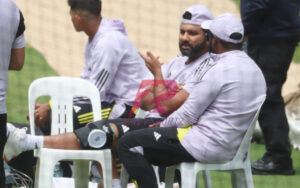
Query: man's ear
point(77, 18)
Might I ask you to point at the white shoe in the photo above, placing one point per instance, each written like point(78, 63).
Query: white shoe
point(161, 185)
point(131, 185)
point(15, 137)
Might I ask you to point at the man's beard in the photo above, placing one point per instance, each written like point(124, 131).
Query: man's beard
point(194, 51)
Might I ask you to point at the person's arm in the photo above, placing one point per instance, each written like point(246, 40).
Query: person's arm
point(106, 61)
point(253, 12)
point(165, 96)
point(17, 59)
point(147, 103)
point(147, 99)
point(199, 100)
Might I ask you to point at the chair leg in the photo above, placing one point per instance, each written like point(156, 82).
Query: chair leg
point(238, 179)
point(206, 179)
point(106, 168)
point(124, 177)
point(169, 177)
point(44, 175)
point(82, 170)
point(248, 176)
point(188, 180)
point(156, 171)
point(37, 174)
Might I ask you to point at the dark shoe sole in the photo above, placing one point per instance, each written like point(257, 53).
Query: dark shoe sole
point(273, 172)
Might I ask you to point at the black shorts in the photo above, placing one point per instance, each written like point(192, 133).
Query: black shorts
point(82, 115)
point(131, 125)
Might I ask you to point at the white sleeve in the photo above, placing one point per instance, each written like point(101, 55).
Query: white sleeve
point(165, 70)
point(199, 100)
point(19, 42)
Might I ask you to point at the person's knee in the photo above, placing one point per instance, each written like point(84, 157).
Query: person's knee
point(122, 145)
point(96, 135)
point(104, 126)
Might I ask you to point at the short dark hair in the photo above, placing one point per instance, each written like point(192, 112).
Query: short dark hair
point(231, 46)
point(92, 6)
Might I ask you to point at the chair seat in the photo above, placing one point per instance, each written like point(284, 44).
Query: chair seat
point(73, 154)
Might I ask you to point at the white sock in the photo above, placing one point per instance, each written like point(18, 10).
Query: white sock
point(31, 142)
point(116, 183)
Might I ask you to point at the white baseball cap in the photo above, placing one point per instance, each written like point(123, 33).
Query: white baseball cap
point(196, 15)
point(226, 27)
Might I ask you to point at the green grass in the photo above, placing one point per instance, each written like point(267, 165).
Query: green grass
point(237, 2)
point(17, 94)
point(222, 179)
point(296, 57)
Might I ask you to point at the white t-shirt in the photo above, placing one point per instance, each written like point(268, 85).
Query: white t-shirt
point(180, 72)
point(9, 24)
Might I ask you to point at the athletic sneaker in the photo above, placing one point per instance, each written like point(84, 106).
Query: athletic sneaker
point(12, 147)
point(131, 185)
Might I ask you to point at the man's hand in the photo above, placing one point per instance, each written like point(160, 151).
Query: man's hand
point(41, 114)
point(176, 89)
point(152, 63)
point(154, 125)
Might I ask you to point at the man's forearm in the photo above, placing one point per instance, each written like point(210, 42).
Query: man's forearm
point(17, 59)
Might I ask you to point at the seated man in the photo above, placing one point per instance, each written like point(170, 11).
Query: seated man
point(214, 118)
point(116, 72)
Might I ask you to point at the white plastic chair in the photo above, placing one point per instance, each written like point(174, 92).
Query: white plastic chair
point(239, 167)
point(61, 91)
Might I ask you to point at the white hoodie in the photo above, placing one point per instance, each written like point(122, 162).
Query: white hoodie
point(113, 64)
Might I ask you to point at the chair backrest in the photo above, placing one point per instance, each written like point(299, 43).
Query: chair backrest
point(242, 152)
point(62, 90)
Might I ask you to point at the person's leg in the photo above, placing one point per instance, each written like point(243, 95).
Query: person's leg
point(18, 162)
point(274, 58)
point(139, 149)
point(127, 125)
point(2, 144)
point(63, 141)
point(114, 128)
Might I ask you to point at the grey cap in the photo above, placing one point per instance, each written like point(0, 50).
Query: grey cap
point(196, 15)
point(226, 27)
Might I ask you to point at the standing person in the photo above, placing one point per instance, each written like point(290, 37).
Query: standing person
point(214, 118)
point(12, 55)
point(273, 29)
point(112, 63)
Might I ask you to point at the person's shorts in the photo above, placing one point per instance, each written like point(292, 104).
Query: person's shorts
point(83, 113)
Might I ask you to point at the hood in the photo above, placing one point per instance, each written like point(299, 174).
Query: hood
point(116, 25)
